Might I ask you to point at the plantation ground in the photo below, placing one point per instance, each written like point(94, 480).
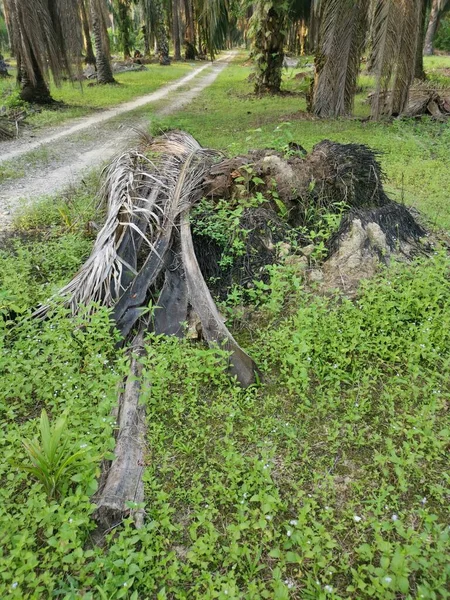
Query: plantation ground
point(327, 480)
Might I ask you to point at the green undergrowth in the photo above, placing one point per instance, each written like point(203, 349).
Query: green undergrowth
point(328, 479)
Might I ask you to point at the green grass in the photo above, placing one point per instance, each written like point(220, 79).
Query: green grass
point(414, 152)
point(83, 99)
point(328, 480)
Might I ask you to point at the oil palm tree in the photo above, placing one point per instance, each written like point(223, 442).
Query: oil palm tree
point(162, 42)
point(122, 13)
point(46, 37)
point(90, 57)
point(338, 56)
point(396, 35)
point(437, 8)
point(267, 29)
point(100, 18)
point(395, 27)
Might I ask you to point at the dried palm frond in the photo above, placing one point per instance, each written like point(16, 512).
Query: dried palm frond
point(142, 198)
point(126, 202)
point(338, 60)
point(395, 35)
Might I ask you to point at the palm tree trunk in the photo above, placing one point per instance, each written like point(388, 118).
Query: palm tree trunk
point(101, 41)
point(436, 10)
point(269, 47)
point(90, 58)
point(190, 26)
point(176, 30)
point(419, 72)
point(161, 34)
point(338, 57)
point(146, 28)
point(124, 27)
point(33, 88)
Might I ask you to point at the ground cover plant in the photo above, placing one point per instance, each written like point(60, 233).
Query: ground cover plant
point(327, 479)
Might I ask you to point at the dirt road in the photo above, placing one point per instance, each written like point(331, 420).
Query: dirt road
point(71, 150)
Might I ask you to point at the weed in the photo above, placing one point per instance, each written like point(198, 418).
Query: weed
point(54, 459)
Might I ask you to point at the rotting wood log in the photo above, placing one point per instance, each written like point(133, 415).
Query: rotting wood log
point(123, 479)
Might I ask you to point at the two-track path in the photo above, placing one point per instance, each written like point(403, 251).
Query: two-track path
point(88, 142)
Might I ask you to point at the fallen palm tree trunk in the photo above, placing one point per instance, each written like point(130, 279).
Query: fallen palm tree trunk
point(428, 98)
point(122, 480)
point(425, 98)
point(161, 244)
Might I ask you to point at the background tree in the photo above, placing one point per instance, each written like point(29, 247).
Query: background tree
point(396, 32)
point(90, 57)
point(437, 9)
point(419, 72)
point(122, 14)
point(269, 35)
point(46, 36)
point(162, 42)
point(338, 55)
point(100, 19)
point(176, 30)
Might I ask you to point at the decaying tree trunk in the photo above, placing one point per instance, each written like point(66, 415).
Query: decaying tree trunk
point(122, 480)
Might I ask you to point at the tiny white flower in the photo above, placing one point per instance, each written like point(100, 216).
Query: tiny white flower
point(289, 533)
point(125, 584)
point(327, 508)
point(206, 505)
point(14, 585)
point(70, 520)
point(424, 500)
point(83, 446)
point(388, 579)
point(357, 519)
point(225, 592)
point(328, 588)
point(394, 517)
point(293, 522)
point(268, 517)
